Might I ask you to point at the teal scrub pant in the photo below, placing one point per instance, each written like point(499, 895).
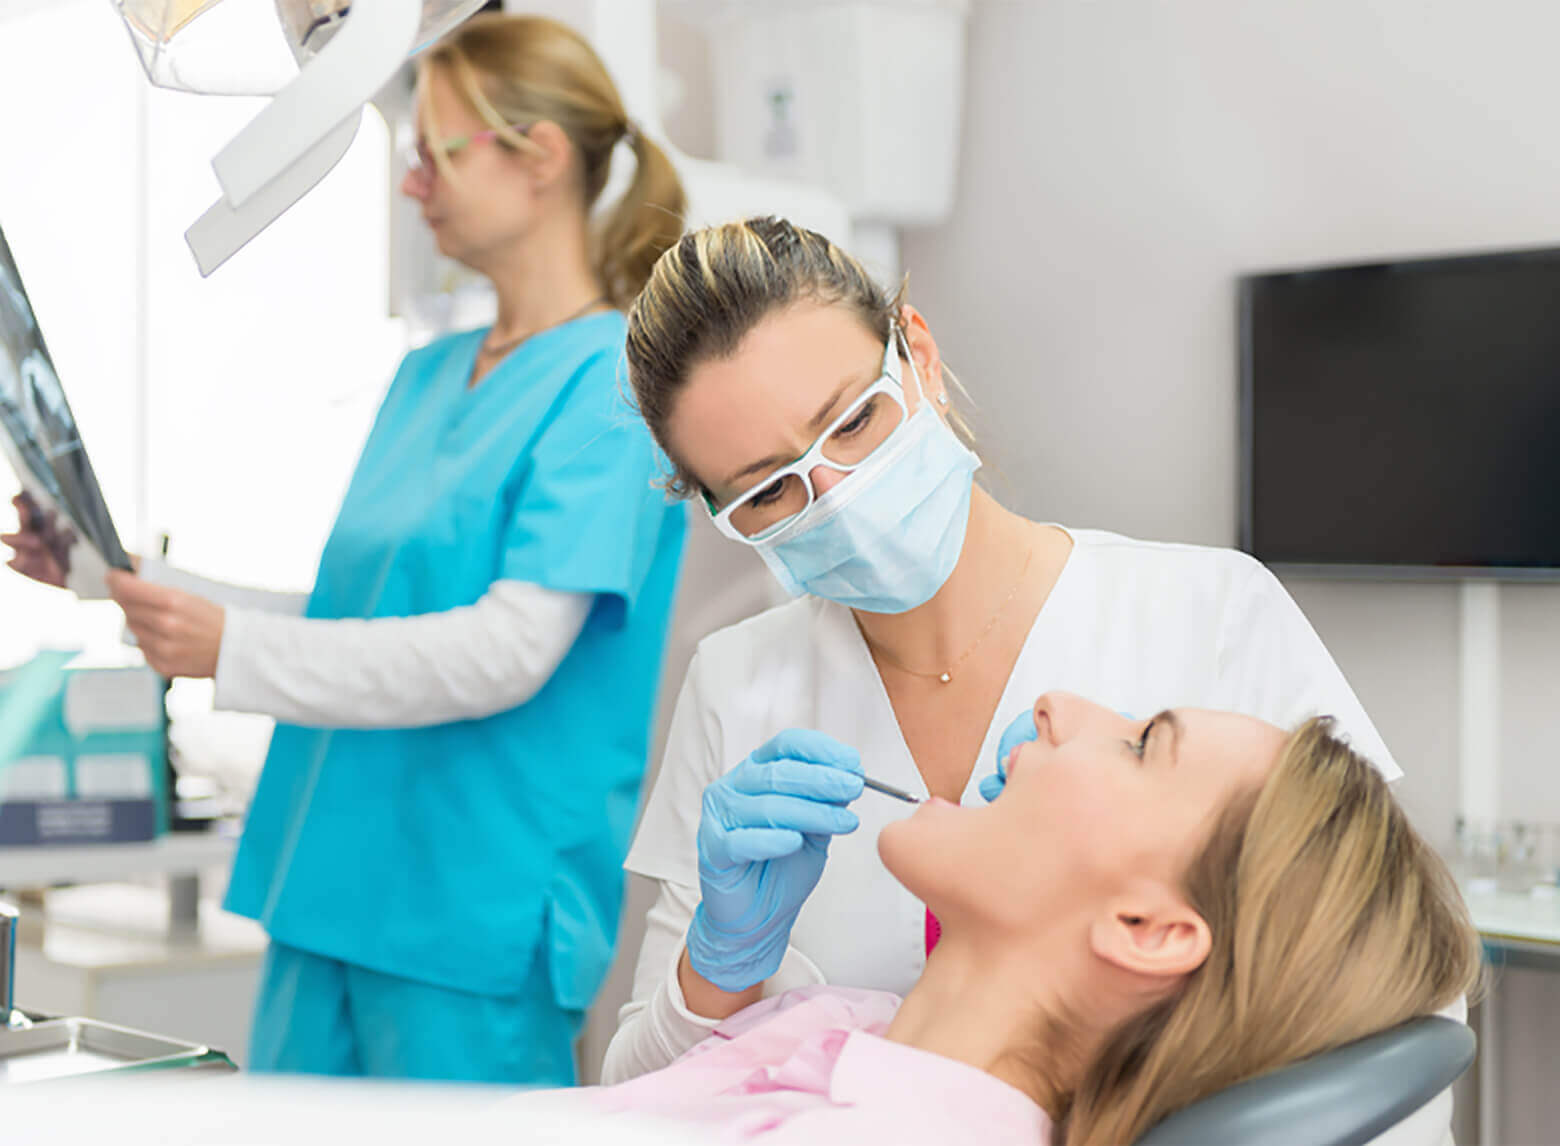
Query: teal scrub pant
point(321, 1016)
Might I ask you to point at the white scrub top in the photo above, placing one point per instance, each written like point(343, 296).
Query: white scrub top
point(1137, 626)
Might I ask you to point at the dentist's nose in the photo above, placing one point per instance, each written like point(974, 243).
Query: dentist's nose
point(825, 478)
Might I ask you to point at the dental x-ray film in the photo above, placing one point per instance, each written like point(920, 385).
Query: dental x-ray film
point(60, 494)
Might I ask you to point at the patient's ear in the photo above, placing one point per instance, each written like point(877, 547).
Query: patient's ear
point(1155, 934)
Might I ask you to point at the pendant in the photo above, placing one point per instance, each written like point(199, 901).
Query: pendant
point(946, 678)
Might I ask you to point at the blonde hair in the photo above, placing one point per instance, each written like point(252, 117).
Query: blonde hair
point(1331, 919)
point(707, 292)
point(524, 69)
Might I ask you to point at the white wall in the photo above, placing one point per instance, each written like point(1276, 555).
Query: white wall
point(1123, 161)
point(266, 376)
point(73, 235)
point(226, 411)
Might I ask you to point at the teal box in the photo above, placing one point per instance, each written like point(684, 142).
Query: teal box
point(82, 752)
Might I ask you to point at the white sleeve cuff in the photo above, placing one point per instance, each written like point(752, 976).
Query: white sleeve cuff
point(796, 970)
point(232, 657)
point(685, 1018)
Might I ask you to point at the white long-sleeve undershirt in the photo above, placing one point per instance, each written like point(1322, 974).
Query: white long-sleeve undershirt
point(655, 1027)
point(394, 672)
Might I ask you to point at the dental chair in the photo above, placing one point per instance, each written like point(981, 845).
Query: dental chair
point(1364, 1092)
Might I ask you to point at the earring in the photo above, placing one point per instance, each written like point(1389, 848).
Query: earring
point(942, 399)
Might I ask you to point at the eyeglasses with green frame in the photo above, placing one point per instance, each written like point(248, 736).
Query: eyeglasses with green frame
point(419, 158)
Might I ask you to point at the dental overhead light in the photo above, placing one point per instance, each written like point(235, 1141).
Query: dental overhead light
point(320, 60)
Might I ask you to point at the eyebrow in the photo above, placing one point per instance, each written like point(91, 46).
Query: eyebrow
point(814, 424)
point(1172, 722)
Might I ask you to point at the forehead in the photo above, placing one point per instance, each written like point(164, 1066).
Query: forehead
point(443, 106)
point(760, 399)
point(1223, 749)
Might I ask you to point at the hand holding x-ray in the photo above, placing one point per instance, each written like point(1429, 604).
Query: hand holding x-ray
point(41, 545)
point(179, 633)
point(65, 535)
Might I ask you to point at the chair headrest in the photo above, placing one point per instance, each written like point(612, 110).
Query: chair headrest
point(1345, 1097)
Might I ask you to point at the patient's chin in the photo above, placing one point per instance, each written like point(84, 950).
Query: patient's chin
point(895, 844)
point(909, 852)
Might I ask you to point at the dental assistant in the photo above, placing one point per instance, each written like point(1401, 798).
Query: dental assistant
point(464, 699)
point(809, 413)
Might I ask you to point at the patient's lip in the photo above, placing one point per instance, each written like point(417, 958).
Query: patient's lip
point(940, 800)
point(1012, 761)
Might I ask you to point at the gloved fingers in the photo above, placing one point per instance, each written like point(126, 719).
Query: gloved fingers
point(792, 813)
point(1020, 731)
point(806, 744)
point(754, 845)
point(821, 782)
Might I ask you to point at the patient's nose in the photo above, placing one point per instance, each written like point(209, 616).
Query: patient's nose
point(1059, 716)
point(1050, 717)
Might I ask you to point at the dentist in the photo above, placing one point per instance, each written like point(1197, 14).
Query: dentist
point(809, 413)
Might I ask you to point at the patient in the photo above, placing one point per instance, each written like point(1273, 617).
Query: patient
point(1150, 912)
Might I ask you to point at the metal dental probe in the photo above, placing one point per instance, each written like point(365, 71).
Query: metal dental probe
point(890, 790)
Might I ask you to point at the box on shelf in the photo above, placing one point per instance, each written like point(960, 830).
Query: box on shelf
point(82, 749)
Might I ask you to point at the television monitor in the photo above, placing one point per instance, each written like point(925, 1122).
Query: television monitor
point(1403, 418)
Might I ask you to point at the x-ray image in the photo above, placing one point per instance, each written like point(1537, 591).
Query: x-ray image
point(61, 497)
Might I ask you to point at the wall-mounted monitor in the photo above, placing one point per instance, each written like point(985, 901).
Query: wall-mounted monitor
point(1403, 419)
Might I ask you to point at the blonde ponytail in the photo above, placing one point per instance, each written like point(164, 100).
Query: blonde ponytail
point(646, 221)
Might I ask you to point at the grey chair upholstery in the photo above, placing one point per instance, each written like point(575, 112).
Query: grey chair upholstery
point(1345, 1097)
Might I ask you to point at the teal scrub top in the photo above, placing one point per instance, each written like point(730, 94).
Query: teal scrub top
point(445, 854)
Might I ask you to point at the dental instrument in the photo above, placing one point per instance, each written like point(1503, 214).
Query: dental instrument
point(890, 790)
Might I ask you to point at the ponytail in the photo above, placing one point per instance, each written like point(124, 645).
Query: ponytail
point(646, 221)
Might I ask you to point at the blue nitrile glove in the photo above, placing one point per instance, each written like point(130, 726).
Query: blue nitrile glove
point(763, 836)
point(1019, 732)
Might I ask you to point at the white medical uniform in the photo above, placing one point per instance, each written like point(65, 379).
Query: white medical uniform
point(1137, 626)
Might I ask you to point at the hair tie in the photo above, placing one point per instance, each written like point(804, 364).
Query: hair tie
point(630, 133)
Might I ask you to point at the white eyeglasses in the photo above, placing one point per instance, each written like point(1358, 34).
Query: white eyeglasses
point(777, 502)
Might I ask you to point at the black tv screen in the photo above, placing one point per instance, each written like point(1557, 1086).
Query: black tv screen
point(1404, 417)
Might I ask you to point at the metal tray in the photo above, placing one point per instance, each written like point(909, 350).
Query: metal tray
point(62, 1048)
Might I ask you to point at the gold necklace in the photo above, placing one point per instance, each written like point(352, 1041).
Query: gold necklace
point(506, 347)
point(946, 676)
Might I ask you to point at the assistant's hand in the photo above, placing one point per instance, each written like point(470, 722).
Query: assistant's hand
point(180, 633)
point(1021, 731)
point(763, 838)
point(39, 547)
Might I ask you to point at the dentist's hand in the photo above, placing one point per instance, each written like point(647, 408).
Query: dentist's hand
point(763, 838)
point(1021, 731)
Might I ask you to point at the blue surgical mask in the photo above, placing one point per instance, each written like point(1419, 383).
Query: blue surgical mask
point(887, 537)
